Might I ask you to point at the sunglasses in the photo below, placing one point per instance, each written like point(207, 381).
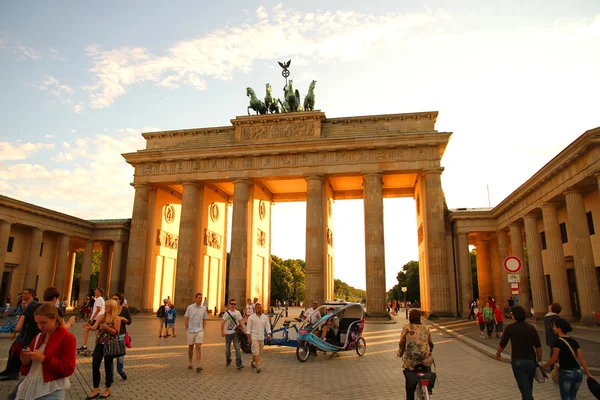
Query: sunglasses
point(233, 304)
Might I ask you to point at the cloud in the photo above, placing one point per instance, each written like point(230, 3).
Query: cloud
point(20, 151)
point(26, 53)
point(88, 174)
point(314, 37)
point(55, 54)
point(61, 92)
point(78, 108)
point(49, 135)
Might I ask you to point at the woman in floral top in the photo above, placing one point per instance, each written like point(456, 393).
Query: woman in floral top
point(416, 347)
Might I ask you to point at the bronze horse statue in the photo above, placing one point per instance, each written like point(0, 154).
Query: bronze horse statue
point(271, 103)
point(258, 106)
point(309, 100)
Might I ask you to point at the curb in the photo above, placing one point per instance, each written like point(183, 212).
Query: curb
point(478, 346)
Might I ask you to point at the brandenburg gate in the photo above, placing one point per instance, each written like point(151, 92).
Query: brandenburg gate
point(185, 180)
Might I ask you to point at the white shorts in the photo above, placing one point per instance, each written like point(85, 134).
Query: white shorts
point(257, 346)
point(195, 338)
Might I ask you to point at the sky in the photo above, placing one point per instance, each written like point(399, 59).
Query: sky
point(515, 82)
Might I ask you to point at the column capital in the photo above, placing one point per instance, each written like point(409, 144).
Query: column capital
point(140, 185)
point(35, 228)
point(428, 171)
point(241, 180)
point(376, 173)
point(514, 224)
point(310, 177)
point(549, 206)
point(461, 231)
point(572, 191)
point(501, 232)
point(189, 183)
point(530, 216)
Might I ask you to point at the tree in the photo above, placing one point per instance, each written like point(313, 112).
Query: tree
point(344, 291)
point(95, 273)
point(409, 278)
point(287, 279)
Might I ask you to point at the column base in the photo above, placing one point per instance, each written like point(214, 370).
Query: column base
point(539, 316)
point(381, 315)
point(591, 320)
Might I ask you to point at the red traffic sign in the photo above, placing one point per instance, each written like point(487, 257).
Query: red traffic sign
point(512, 264)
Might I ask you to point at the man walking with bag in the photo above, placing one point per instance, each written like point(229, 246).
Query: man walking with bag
point(232, 321)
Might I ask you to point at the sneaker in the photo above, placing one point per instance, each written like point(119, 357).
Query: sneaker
point(258, 369)
point(199, 369)
point(253, 364)
point(123, 375)
point(228, 363)
point(82, 348)
point(239, 367)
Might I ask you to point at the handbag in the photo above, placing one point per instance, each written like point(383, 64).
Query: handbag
point(114, 348)
point(540, 375)
point(127, 340)
point(239, 329)
point(594, 387)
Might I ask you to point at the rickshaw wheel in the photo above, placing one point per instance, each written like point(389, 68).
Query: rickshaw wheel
point(302, 351)
point(361, 346)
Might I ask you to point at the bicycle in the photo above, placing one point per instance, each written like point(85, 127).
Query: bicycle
point(422, 390)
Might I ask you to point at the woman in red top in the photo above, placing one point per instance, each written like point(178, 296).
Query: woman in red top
point(50, 361)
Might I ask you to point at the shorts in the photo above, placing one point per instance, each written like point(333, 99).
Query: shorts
point(91, 323)
point(195, 338)
point(482, 327)
point(257, 347)
point(171, 326)
point(499, 326)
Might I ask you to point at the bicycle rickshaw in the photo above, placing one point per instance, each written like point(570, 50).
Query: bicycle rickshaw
point(349, 336)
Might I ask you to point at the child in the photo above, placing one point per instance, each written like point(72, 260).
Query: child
point(170, 319)
point(499, 321)
point(481, 322)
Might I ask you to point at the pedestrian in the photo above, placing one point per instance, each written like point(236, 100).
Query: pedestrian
point(549, 319)
point(98, 311)
point(249, 308)
point(195, 322)
point(488, 317)
point(50, 361)
point(481, 323)
point(125, 317)
point(205, 303)
point(254, 302)
point(472, 307)
point(170, 318)
point(499, 322)
point(232, 321)
point(24, 333)
point(526, 347)
point(258, 324)
point(492, 302)
point(161, 314)
point(108, 326)
point(570, 358)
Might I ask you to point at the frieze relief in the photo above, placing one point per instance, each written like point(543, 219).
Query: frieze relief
point(259, 132)
point(166, 239)
point(330, 237)
point(323, 158)
point(261, 238)
point(212, 239)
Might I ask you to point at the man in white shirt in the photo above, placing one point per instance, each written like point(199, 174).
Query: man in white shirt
point(258, 323)
point(313, 314)
point(195, 322)
point(232, 319)
point(98, 310)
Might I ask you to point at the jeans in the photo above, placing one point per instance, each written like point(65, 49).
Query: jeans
point(524, 372)
point(56, 395)
point(236, 344)
point(569, 381)
point(490, 328)
point(97, 357)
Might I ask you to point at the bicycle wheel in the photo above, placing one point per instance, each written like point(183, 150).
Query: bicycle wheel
point(302, 351)
point(361, 346)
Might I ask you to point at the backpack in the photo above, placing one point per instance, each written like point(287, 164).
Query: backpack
point(161, 311)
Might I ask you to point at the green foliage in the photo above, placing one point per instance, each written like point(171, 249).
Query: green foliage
point(344, 291)
point(287, 279)
point(409, 278)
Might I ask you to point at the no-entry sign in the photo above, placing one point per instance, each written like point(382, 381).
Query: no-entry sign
point(512, 264)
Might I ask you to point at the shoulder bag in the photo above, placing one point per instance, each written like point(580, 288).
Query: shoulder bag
point(238, 327)
point(556, 371)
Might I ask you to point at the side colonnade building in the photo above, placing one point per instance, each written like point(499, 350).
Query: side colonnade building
point(38, 248)
point(549, 223)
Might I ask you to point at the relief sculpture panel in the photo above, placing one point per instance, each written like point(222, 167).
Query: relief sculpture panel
point(258, 132)
point(212, 239)
point(166, 239)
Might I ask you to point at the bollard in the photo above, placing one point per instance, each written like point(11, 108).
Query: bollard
point(406, 312)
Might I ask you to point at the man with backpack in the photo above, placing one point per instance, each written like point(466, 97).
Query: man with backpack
point(161, 313)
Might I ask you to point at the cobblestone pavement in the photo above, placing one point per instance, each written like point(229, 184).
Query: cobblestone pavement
point(157, 370)
point(588, 338)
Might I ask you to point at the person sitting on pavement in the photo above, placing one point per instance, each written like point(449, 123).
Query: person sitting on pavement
point(416, 347)
point(331, 328)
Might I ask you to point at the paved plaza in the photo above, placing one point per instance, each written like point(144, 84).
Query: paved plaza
point(157, 370)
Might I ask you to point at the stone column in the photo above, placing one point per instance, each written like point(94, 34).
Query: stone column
point(136, 255)
point(464, 268)
point(556, 260)
point(516, 245)
point(536, 268)
point(316, 240)
point(186, 248)
point(68, 287)
point(374, 245)
point(502, 254)
point(238, 263)
point(86, 270)
point(583, 257)
point(4, 235)
point(33, 261)
point(115, 271)
point(484, 278)
point(61, 262)
point(104, 266)
point(435, 236)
